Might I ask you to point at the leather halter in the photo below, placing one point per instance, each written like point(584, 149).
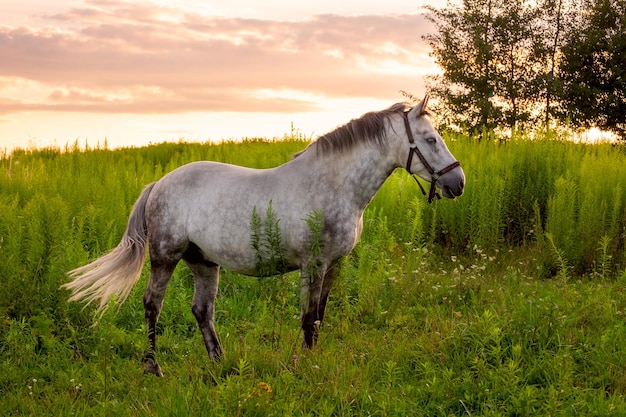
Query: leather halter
point(434, 175)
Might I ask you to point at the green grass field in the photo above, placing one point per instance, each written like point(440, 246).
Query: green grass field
point(509, 301)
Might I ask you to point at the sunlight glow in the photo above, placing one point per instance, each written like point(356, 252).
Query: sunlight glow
point(595, 135)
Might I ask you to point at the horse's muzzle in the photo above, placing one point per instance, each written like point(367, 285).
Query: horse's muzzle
point(452, 185)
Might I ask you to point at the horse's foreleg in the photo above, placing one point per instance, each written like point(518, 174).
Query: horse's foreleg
point(329, 280)
point(206, 278)
point(153, 302)
point(314, 294)
point(309, 302)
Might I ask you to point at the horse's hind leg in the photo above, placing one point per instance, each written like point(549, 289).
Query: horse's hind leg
point(153, 302)
point(206, 278)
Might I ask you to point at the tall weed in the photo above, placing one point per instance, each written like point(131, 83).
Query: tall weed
point(573, 191)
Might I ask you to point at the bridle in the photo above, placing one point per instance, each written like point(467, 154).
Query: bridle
point(434, 175)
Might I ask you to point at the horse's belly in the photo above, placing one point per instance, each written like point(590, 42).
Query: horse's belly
point(235, 246)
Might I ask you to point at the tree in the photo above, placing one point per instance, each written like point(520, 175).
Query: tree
point(492, 61)
point(520, 59)
point(554, 19)
point(592, 71)
point(463, 49)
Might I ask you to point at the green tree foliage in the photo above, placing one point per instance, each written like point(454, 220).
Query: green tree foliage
point(593, 67)
point(492, 55)
point(523, 63)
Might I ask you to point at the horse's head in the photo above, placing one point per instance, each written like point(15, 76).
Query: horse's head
point(428, 156)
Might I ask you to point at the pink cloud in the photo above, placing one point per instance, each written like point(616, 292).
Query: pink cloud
point(113, 56)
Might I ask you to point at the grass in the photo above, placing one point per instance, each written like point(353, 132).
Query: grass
point(450, 309)
point(475, 336)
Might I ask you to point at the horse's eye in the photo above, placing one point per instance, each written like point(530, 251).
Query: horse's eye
point(430, 139)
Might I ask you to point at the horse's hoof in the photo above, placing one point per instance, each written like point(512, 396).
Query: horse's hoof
point(152, 368)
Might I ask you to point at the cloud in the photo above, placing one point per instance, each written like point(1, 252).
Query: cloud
point(118, 57)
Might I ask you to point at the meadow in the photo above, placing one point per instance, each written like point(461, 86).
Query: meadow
point(508, 301)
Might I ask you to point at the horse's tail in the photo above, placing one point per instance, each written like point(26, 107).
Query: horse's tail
point(116, 272)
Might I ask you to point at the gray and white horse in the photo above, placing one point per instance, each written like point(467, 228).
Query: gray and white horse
point(201, 213)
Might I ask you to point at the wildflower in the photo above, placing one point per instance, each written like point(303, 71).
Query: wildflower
point(259, 390)
point(264, 386)
point(30, 387)
point(457, 314)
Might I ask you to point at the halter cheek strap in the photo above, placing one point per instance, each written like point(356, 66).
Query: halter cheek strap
point(434, 175)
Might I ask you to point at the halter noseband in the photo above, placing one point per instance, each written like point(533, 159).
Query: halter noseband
point(434, 175)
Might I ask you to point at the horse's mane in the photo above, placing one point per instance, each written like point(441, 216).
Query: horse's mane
point(369, 128)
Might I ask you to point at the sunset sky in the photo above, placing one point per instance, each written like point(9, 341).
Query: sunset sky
point(136, 72)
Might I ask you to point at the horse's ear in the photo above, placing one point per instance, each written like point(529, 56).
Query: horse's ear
point(421, 108)
point(424, 109)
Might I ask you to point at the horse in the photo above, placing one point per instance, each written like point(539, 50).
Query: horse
point(200, 213)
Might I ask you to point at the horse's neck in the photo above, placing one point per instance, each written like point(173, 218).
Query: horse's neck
point(356, 174)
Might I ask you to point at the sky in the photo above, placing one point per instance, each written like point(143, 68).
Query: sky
point(148, 71)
